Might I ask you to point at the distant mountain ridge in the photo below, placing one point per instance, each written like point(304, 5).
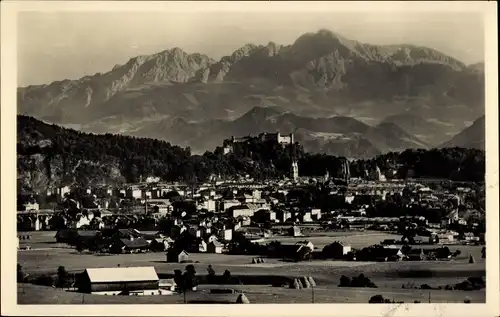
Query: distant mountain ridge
point(471, 137)
point(320, 75)
point(340, 136)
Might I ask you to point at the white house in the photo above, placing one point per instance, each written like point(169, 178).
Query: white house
point(256, 194)
point(208, 204)
point(227, 234)
point(316, 213)
point(212, 238)
point(202, 247)
point(31, 206)
point(241, 211)
point(349, 199)
point(134, 193)
point(308, 244)
point(307, 217)
point(64, 190)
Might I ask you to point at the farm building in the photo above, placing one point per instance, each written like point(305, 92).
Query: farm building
point(71, 236)
point(214, 247)
point(226, 234)
point(415, 255)
point(183, 257)
point(445, 238)
point(176, 256)
point(295, 231)
point(336, 250)
point(379, 253)
point(202, 246)
point(306, 243)
point(388, 254)
point(422, 239)
point(160, 244)
point(130, 246)
point(120, 281)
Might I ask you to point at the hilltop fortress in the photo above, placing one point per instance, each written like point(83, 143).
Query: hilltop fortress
point(276, 137)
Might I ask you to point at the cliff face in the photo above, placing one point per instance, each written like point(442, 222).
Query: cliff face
point(48, 157)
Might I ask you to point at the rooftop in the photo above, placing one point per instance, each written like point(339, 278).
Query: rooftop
point(122, 274)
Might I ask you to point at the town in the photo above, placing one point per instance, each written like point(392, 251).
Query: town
point(294, 220)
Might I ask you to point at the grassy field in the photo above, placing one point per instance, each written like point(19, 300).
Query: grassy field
point(34, 294)
point(46, 256)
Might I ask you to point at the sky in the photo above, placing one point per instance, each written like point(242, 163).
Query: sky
point(69, 45)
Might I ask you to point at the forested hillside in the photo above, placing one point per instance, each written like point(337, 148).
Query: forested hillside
point(51, 156)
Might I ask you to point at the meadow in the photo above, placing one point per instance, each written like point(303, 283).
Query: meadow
point(46, 255)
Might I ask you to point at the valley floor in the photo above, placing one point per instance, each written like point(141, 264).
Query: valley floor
point(45, 256)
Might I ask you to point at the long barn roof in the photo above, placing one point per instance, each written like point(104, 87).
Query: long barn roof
point(122, 274)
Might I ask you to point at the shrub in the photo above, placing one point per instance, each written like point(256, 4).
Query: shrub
point(359, 281)
point(45, 280)
point(62, 277)
point(376, 299)
point(425, 286)
point(345, 281)
point(210, 274)
point(226, 276)
point(20, 274)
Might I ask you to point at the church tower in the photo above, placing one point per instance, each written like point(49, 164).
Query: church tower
point(294, 171)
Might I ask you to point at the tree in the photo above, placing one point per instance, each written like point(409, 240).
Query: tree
point(20, 273)
point(178, 279)
point(79, 246)
point(45, 280)
point(62, 276)
point(406, 249)
point(376, 299)
point(227, 276)
point(189, 280)
point(345, 281)
point(210, 274)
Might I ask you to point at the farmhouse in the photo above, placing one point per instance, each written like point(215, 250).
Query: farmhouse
point(336, 250)
point(415, 255)
point(226, 234)
point(183, 257)
point(130, 246)
point(74, 237)
point(120, 281)
point(388, 254)
point(295, 231)
point(214, 247)
point(202, 246)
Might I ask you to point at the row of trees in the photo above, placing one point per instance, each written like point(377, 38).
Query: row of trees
point(63, 279)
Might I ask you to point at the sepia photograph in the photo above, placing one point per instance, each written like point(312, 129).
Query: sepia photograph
point(186, 154)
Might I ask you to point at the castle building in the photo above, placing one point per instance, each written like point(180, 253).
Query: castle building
point(275, 137)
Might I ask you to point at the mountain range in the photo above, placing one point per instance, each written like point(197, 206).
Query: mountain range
point(340, 96)
point(472, 137)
